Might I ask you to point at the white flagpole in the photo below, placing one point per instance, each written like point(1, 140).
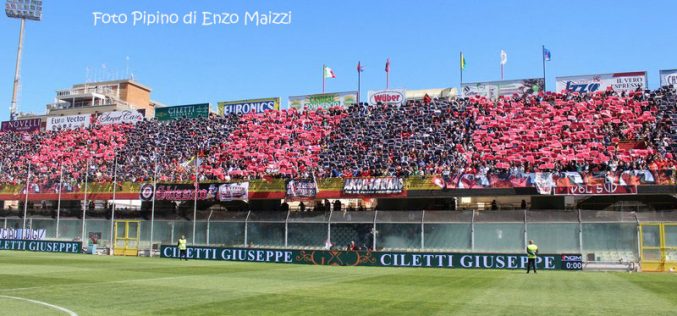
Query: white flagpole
point(112, 215)
point(152, 212)
point(84, 207)
point(28, 189)
point(58, 203)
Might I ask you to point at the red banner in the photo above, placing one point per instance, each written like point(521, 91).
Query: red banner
point(596, 189)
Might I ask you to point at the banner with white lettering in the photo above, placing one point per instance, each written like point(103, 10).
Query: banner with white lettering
point(68, 122)
point(249, 106)
point(41, 245)
point(622, 81)
point(300, 189)
point(494, 89)
point(32, 234)
point(391, 97)
point(190, 111)
point(386, 185)
point(669, 78)
point(29, 125)
point(379, 259)
point(119, 117)
point(234, 191)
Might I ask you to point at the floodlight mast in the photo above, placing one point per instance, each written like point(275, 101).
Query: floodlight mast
point(21, 9)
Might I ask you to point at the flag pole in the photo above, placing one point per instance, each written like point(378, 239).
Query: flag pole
point(84, 207)
point(152, 212)
point(28, 189)
point(543, 59)
point(323, 66)
point(460, 67)
point(359, 75)
point(112, 214)
point(388, 75)
point(197, 184)
point(58, 202)
point(501, 71)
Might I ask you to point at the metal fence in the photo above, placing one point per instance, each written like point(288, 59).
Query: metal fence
point(599, 235)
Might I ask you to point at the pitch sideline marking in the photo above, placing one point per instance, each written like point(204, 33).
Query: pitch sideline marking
point(65, 310)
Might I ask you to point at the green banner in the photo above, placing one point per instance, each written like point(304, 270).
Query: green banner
point(379, 259)
point(182, 111)
point(41, 245)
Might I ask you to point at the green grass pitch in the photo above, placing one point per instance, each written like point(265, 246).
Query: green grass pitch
point(100, 285)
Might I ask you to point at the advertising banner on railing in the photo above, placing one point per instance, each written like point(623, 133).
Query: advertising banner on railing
point(495, 89)
point(249, 106)
point(234, 191)
point(669, 78)
point(32, 234)
point(621, 81)
point(323, 101)
point(387, 185)
point(300, 189)
point(379, 259)
point(192, 111)
point(391, 97)
point(29, 125)
point(41, 245)
point(68, 122)
point(119, 117)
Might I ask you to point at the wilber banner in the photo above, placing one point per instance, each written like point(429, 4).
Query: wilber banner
point(300, 189)
point(119, 117)
point(622, 81)
point(29, 125)
point(387, 185)
point(669, 78)
point(495, 89)
point(182, 111)
point(379, 259)
point(68, 122)
point(249, 106)
point(391, 97)
point(41, 245)
point(323, 101)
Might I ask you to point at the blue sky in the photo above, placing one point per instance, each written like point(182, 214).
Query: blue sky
point(190, 64)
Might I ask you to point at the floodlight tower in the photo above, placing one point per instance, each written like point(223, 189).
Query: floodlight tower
point(21, 9)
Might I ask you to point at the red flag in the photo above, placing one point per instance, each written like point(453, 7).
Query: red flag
point(359, 67)
point(388, 65)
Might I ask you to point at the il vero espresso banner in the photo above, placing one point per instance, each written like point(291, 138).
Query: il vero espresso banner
point(378, 259)
point(41, 245)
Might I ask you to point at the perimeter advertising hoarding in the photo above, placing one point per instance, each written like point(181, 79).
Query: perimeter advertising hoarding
point(323, 101)
point(495, 89)
point(29, 125)
point(68, 122)
point(186, 192)
point(119, 117)
point(249, 106)
point(620, 81)
point(41, 245)
point(669, 78)
point(391, 97)
point(200, 110)
point(379, 259)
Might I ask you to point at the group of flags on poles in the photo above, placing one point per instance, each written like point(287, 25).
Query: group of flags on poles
point(329, 73)
point(504, 58)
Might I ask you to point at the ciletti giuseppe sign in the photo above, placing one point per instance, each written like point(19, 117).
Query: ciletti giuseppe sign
point(378, 259)
point(40, 245)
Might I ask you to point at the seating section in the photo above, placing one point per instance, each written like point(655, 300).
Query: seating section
point(550, 131)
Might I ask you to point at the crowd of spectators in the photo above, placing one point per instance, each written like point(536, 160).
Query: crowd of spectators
point(542, 132)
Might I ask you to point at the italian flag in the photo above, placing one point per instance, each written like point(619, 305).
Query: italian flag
point(328, 73)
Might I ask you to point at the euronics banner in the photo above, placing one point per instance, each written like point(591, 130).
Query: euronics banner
point(40, 245)
point(669, 78)
point(392, 97)
point(387, 185)
point(182, 111)
point(621, 81)
point(186, 192)
point(495, 89)
point(249, 106)
point(119, 117)
point(29, 125)
point(379, 259)
point(323, 101)
point(68, 122)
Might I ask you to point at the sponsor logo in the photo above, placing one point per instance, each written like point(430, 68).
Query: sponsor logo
point(671, 79)
point(575, 258)
point(387, 97)
point(582, 87)
point(120, 117)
